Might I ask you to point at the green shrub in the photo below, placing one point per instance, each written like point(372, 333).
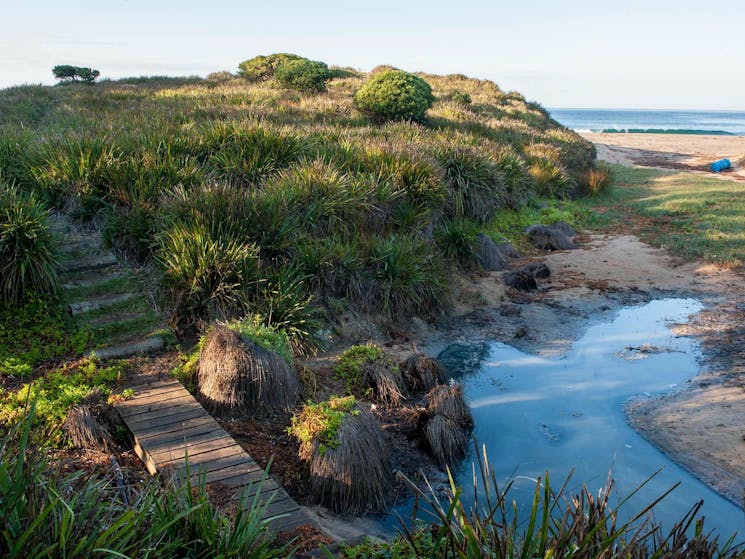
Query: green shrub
point(56, 392)
point(28, 261)
point(320, 422)
point(461, 98)
point(303, 75)
point(394, 95)
point(349, 364)
point(208, 276)
point(262, 68)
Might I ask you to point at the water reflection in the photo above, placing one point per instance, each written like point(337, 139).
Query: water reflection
point(566, 414)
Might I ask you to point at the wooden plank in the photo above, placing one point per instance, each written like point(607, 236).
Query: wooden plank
point(178, 399)
point(245, 480)
point(147, 385)
point(226, 461)
point(192, 445)
point(240, 475)
point(180, 435)
point(154, 396)
point(168, 458)
point(276, 508)
point(179, 414)
point(144, 433)
point(202, 458)
point(174, 409)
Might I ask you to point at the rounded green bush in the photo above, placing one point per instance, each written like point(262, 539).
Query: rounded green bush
point(395, 95)
point(303, 75)
point(262, 68)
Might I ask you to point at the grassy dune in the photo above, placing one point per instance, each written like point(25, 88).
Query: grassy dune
point(254, 199)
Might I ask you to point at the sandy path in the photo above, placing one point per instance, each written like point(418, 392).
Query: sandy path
point(690, 152)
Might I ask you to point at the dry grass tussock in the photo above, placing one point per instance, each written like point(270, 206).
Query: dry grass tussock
point(354, 475)
point(237, 376)
point(422, 373)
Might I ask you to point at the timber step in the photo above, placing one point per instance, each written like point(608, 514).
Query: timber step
point(174, 433)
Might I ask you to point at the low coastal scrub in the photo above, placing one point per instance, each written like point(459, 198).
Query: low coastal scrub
point(253, 198)
point(395, 95)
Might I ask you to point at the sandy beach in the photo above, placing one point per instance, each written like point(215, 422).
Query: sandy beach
point(690, 152)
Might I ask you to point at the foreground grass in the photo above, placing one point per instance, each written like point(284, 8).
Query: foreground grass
point(689, 215)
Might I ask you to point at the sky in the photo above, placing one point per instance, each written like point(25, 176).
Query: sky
point(679, 54)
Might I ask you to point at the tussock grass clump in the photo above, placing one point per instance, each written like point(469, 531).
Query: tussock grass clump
point(366, 369)
point(446, 440)
point(348, 456)
point(423, 373)
point(28, 263)
point(447, 400)
point(208, 276)
point(237, 376)
point(596, 180)
point(449, 421)
point(86, 430)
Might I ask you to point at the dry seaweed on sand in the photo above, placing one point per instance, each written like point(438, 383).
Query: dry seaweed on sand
point(235, 375)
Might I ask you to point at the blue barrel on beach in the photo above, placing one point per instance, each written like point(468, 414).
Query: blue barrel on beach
point(720, 165)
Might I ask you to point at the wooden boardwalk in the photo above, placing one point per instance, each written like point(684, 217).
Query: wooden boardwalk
point(169, 426)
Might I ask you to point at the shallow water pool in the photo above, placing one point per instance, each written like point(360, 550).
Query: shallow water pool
point(536, 415)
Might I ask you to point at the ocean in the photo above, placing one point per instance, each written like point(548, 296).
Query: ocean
point(652, 121)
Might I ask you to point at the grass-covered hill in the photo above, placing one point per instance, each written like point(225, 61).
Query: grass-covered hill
point(255, 198)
